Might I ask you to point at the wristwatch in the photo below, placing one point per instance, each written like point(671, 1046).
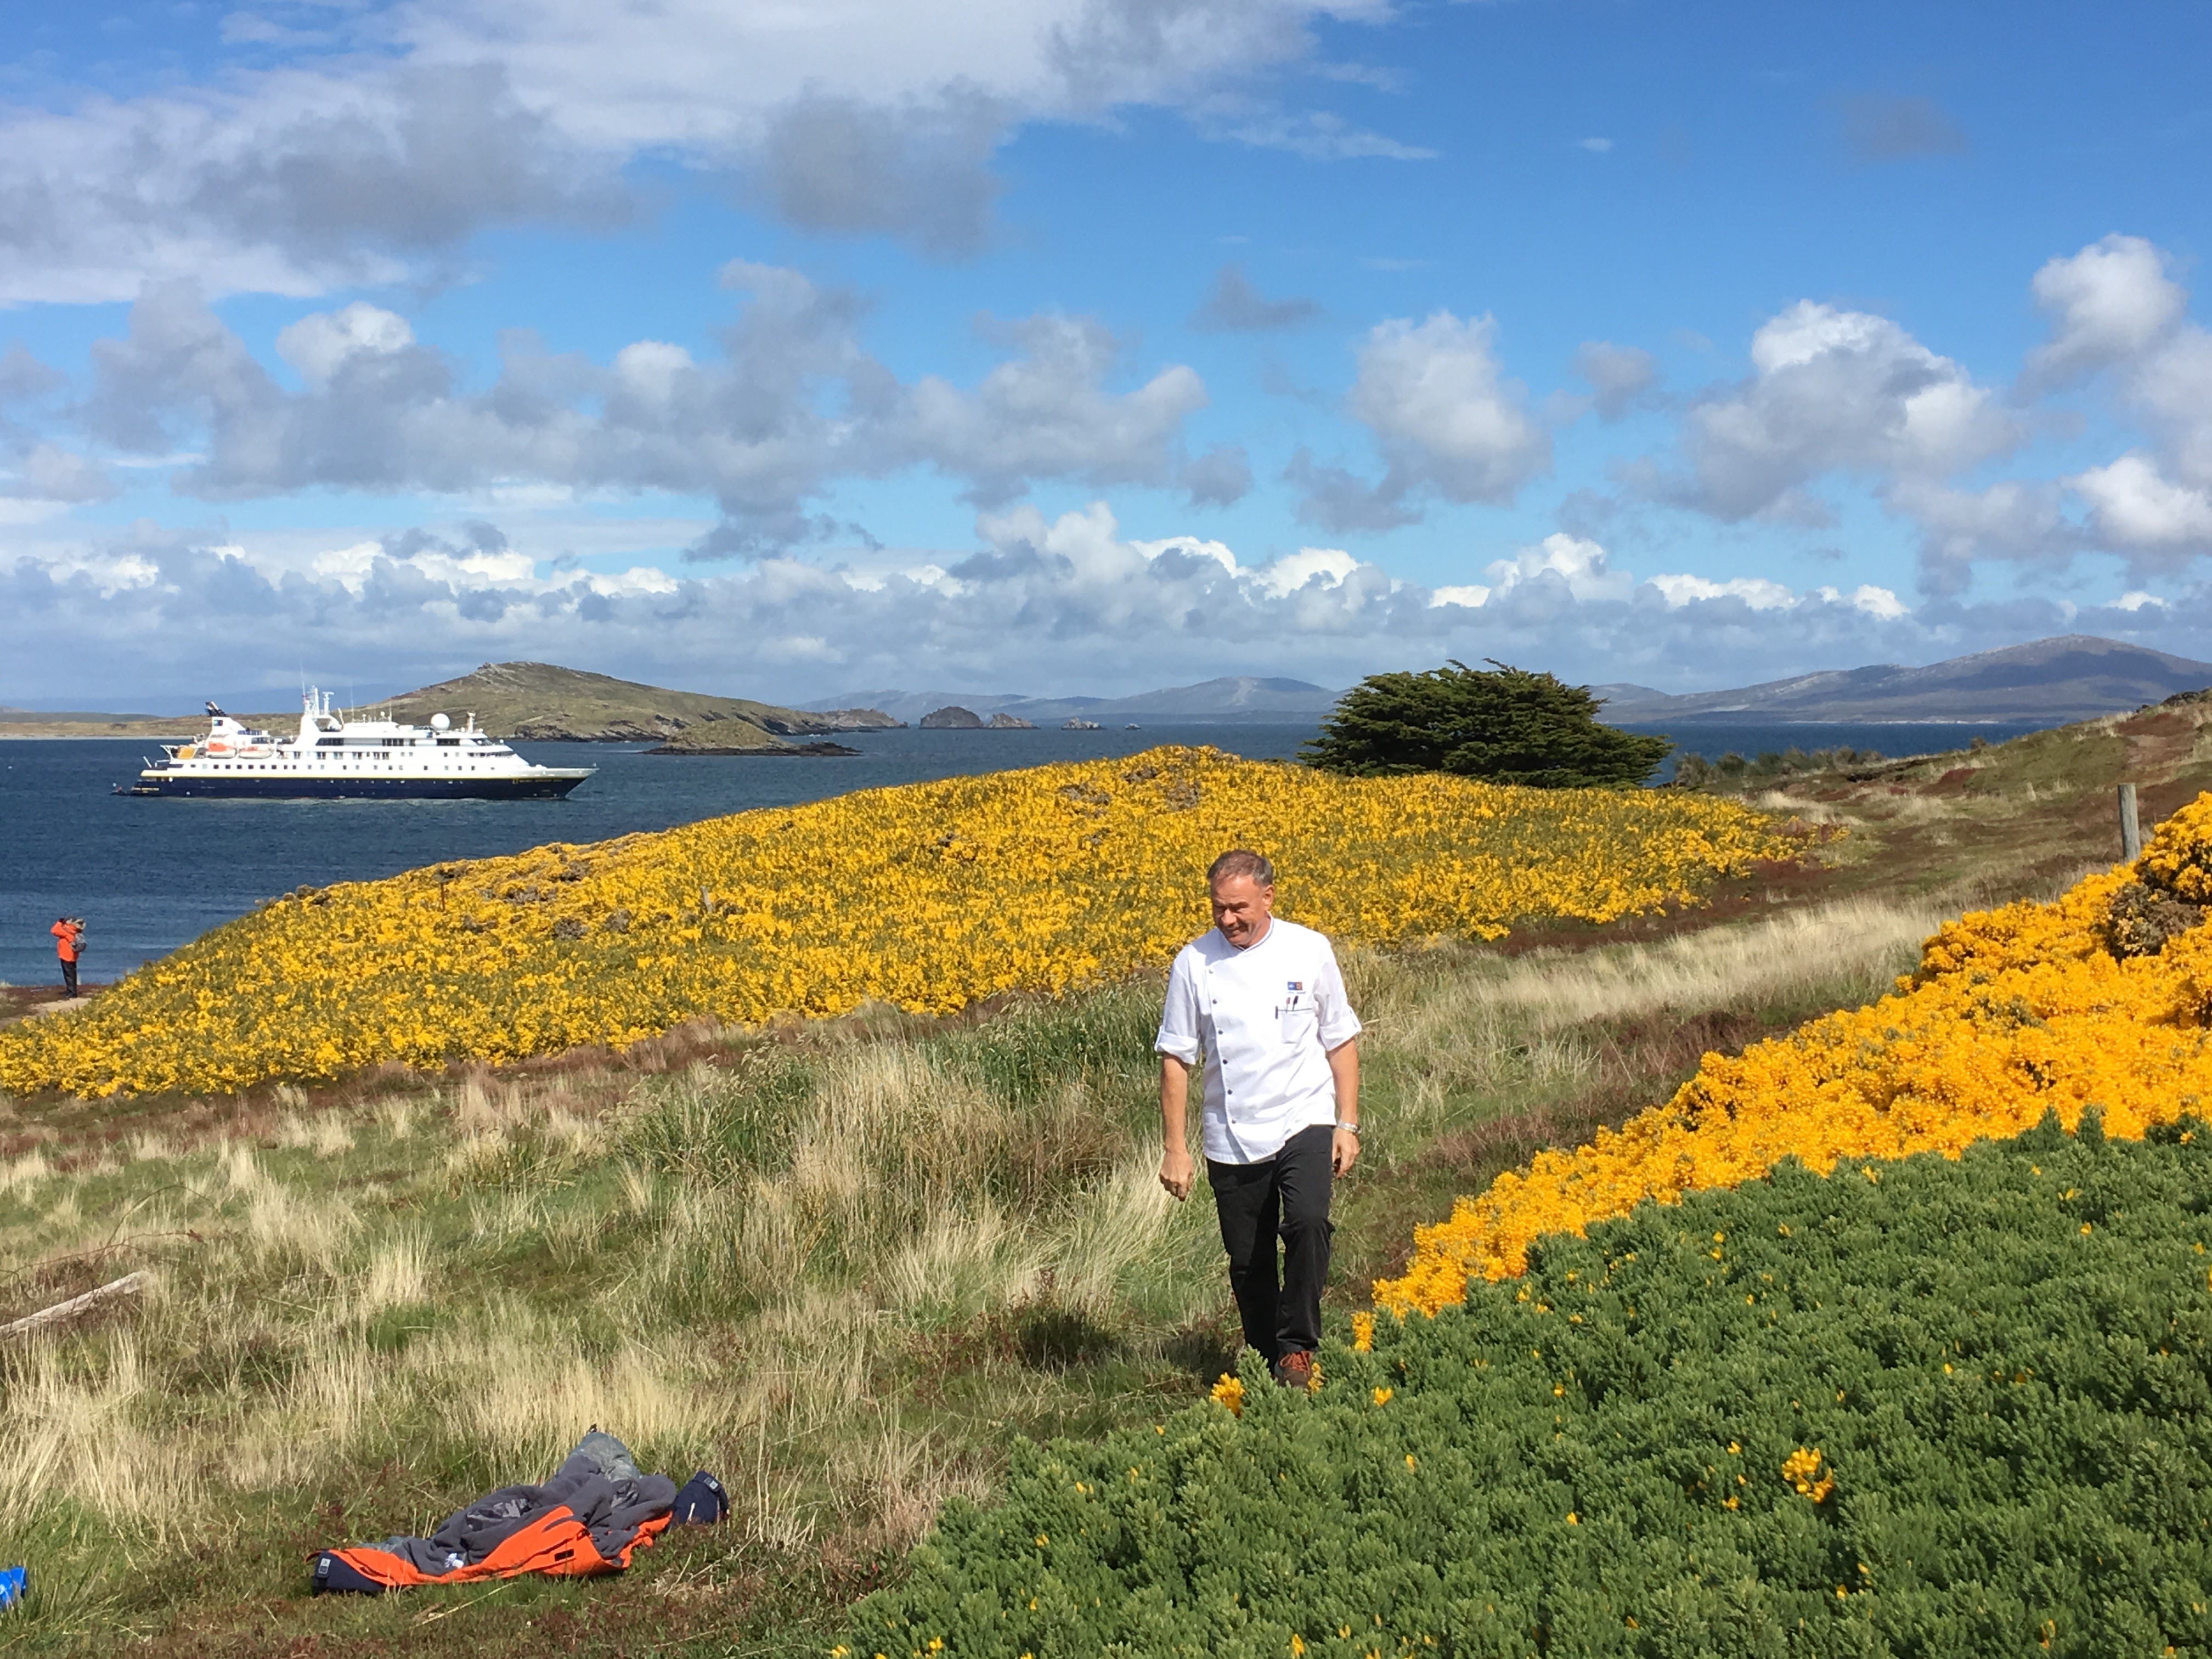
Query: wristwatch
point(1349, 1128)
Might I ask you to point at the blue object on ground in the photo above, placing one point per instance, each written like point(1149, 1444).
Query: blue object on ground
point(702, 1502)
point(14, 1585)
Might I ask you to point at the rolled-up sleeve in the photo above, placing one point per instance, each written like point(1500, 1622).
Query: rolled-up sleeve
point(1179, 1030)
point(1337, 1024)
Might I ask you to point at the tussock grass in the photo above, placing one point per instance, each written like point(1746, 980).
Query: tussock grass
point(841, 1271)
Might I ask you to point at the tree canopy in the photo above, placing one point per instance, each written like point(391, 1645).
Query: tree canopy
point(1501, 725)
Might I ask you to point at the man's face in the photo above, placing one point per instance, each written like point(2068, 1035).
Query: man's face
point(1240, 908)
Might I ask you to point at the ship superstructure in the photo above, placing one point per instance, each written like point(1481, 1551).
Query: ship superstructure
point(337, 758)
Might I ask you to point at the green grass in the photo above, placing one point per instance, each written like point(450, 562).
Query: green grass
point(1929, 1407)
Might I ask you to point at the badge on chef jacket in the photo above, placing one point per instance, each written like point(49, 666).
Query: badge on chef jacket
point(1295, 1010)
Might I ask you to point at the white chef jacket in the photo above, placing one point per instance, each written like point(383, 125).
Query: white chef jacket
point(1266, 1018)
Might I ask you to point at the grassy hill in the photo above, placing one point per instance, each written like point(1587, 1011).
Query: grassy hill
point(536, 700)
point(846, 1265)
point(527, 700)
point(2040, 807)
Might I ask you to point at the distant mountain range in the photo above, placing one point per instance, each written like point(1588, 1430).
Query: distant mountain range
point(2057, 680)
point(2068, 678)
point(1239, 699)
point(2071, 677)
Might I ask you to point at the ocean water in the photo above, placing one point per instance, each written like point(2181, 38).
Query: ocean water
point(150, 875)
point(1893, 740)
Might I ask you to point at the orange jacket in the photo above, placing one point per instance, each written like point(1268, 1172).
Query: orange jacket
point(65, 938)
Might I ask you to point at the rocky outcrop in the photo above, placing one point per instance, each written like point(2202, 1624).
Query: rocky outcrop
point(860, 719)
point(728, 736)
point(1077, 723)
point(1003, 722)
point(951, 718)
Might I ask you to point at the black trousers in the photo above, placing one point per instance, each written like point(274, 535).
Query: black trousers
point(1285, 1197)
point(68, 977)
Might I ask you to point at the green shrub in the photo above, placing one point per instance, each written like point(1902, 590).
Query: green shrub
point(1998, 1371)
point(1503, 725)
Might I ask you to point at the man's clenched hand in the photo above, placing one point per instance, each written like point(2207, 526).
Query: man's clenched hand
point(1344, 1151)
point(1177, 1172)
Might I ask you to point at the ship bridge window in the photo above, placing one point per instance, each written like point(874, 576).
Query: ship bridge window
point(330, 743)
point(449, 743)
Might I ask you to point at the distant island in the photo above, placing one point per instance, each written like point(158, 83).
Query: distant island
point(723, 738)
point(539, 702)
point(1232, 700)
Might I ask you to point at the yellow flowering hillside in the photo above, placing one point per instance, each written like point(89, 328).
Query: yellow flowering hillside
point(2101, 1000)
point(930, 896)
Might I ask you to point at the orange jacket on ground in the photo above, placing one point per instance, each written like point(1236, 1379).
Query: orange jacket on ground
point(66, 934)
point(556, 1543)
point(588, 1518)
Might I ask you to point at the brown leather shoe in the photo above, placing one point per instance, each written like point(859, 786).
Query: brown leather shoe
point(1296, 1370)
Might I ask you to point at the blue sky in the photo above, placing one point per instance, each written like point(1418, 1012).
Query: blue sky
point(1092, 344)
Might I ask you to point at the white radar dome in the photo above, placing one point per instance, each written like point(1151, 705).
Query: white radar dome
point(439, 722)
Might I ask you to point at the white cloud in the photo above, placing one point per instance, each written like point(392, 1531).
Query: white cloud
point(796, 404)
point(1434, 396)
point(1325, 566)
point(1191, 546)
point(2133, 505)
point(1572, 563)
point(1873, 601)
point(319, 344)
point(1757, 592)
point(1046, 413)
point(1060, 603)
point(2108, 304)
point(1579, 572)
point(1448, 421)
point(357, 160)
point(1833, 391)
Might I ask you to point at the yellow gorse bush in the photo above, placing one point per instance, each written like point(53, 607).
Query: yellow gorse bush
point(930, 896)
point(2014, 1013)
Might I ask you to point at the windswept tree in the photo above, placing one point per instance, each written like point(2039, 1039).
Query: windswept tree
point(1501, 725)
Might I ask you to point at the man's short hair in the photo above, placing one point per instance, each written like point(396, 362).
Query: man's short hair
point(1240, 861)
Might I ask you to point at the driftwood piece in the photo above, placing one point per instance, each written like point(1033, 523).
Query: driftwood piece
point(128, 1284)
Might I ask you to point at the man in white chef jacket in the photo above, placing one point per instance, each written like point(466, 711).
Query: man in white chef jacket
point(1262, 999)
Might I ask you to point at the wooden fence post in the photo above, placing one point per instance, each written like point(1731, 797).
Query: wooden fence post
point(2130, 827)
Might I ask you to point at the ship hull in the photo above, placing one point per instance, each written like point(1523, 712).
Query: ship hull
point(546, 785)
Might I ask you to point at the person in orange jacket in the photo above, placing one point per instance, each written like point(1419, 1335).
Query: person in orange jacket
point(69, 944)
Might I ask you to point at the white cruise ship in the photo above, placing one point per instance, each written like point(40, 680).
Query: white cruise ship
point(335, 759)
